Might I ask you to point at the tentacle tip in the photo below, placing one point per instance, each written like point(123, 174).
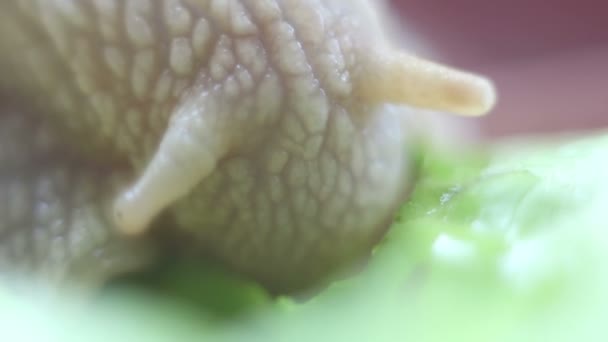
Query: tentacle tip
point(128, 219)
point(477, 96)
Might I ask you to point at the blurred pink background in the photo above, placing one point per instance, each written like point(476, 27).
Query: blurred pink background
point(548, 58)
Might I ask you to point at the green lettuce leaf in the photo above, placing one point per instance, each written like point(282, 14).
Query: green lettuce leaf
point(506, 245)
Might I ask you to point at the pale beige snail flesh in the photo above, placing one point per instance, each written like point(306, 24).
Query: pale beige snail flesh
point(260, 128)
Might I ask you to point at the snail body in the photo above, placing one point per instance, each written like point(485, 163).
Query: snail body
point(262, 129)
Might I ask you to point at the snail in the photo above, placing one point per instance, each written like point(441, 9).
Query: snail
point(263, 133)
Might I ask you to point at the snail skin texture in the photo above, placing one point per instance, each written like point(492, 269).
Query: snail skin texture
point(265, 134)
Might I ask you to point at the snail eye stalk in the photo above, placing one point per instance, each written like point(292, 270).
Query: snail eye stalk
point(396, 77)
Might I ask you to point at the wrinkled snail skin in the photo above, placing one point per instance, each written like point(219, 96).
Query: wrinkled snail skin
point(262, 128)
point(53, 228)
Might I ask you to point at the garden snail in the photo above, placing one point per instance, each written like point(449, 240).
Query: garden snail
point(260, 128)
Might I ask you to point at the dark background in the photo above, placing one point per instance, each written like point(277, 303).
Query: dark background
point(548, 58)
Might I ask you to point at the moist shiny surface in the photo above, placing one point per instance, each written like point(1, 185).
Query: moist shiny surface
point(306, 167)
